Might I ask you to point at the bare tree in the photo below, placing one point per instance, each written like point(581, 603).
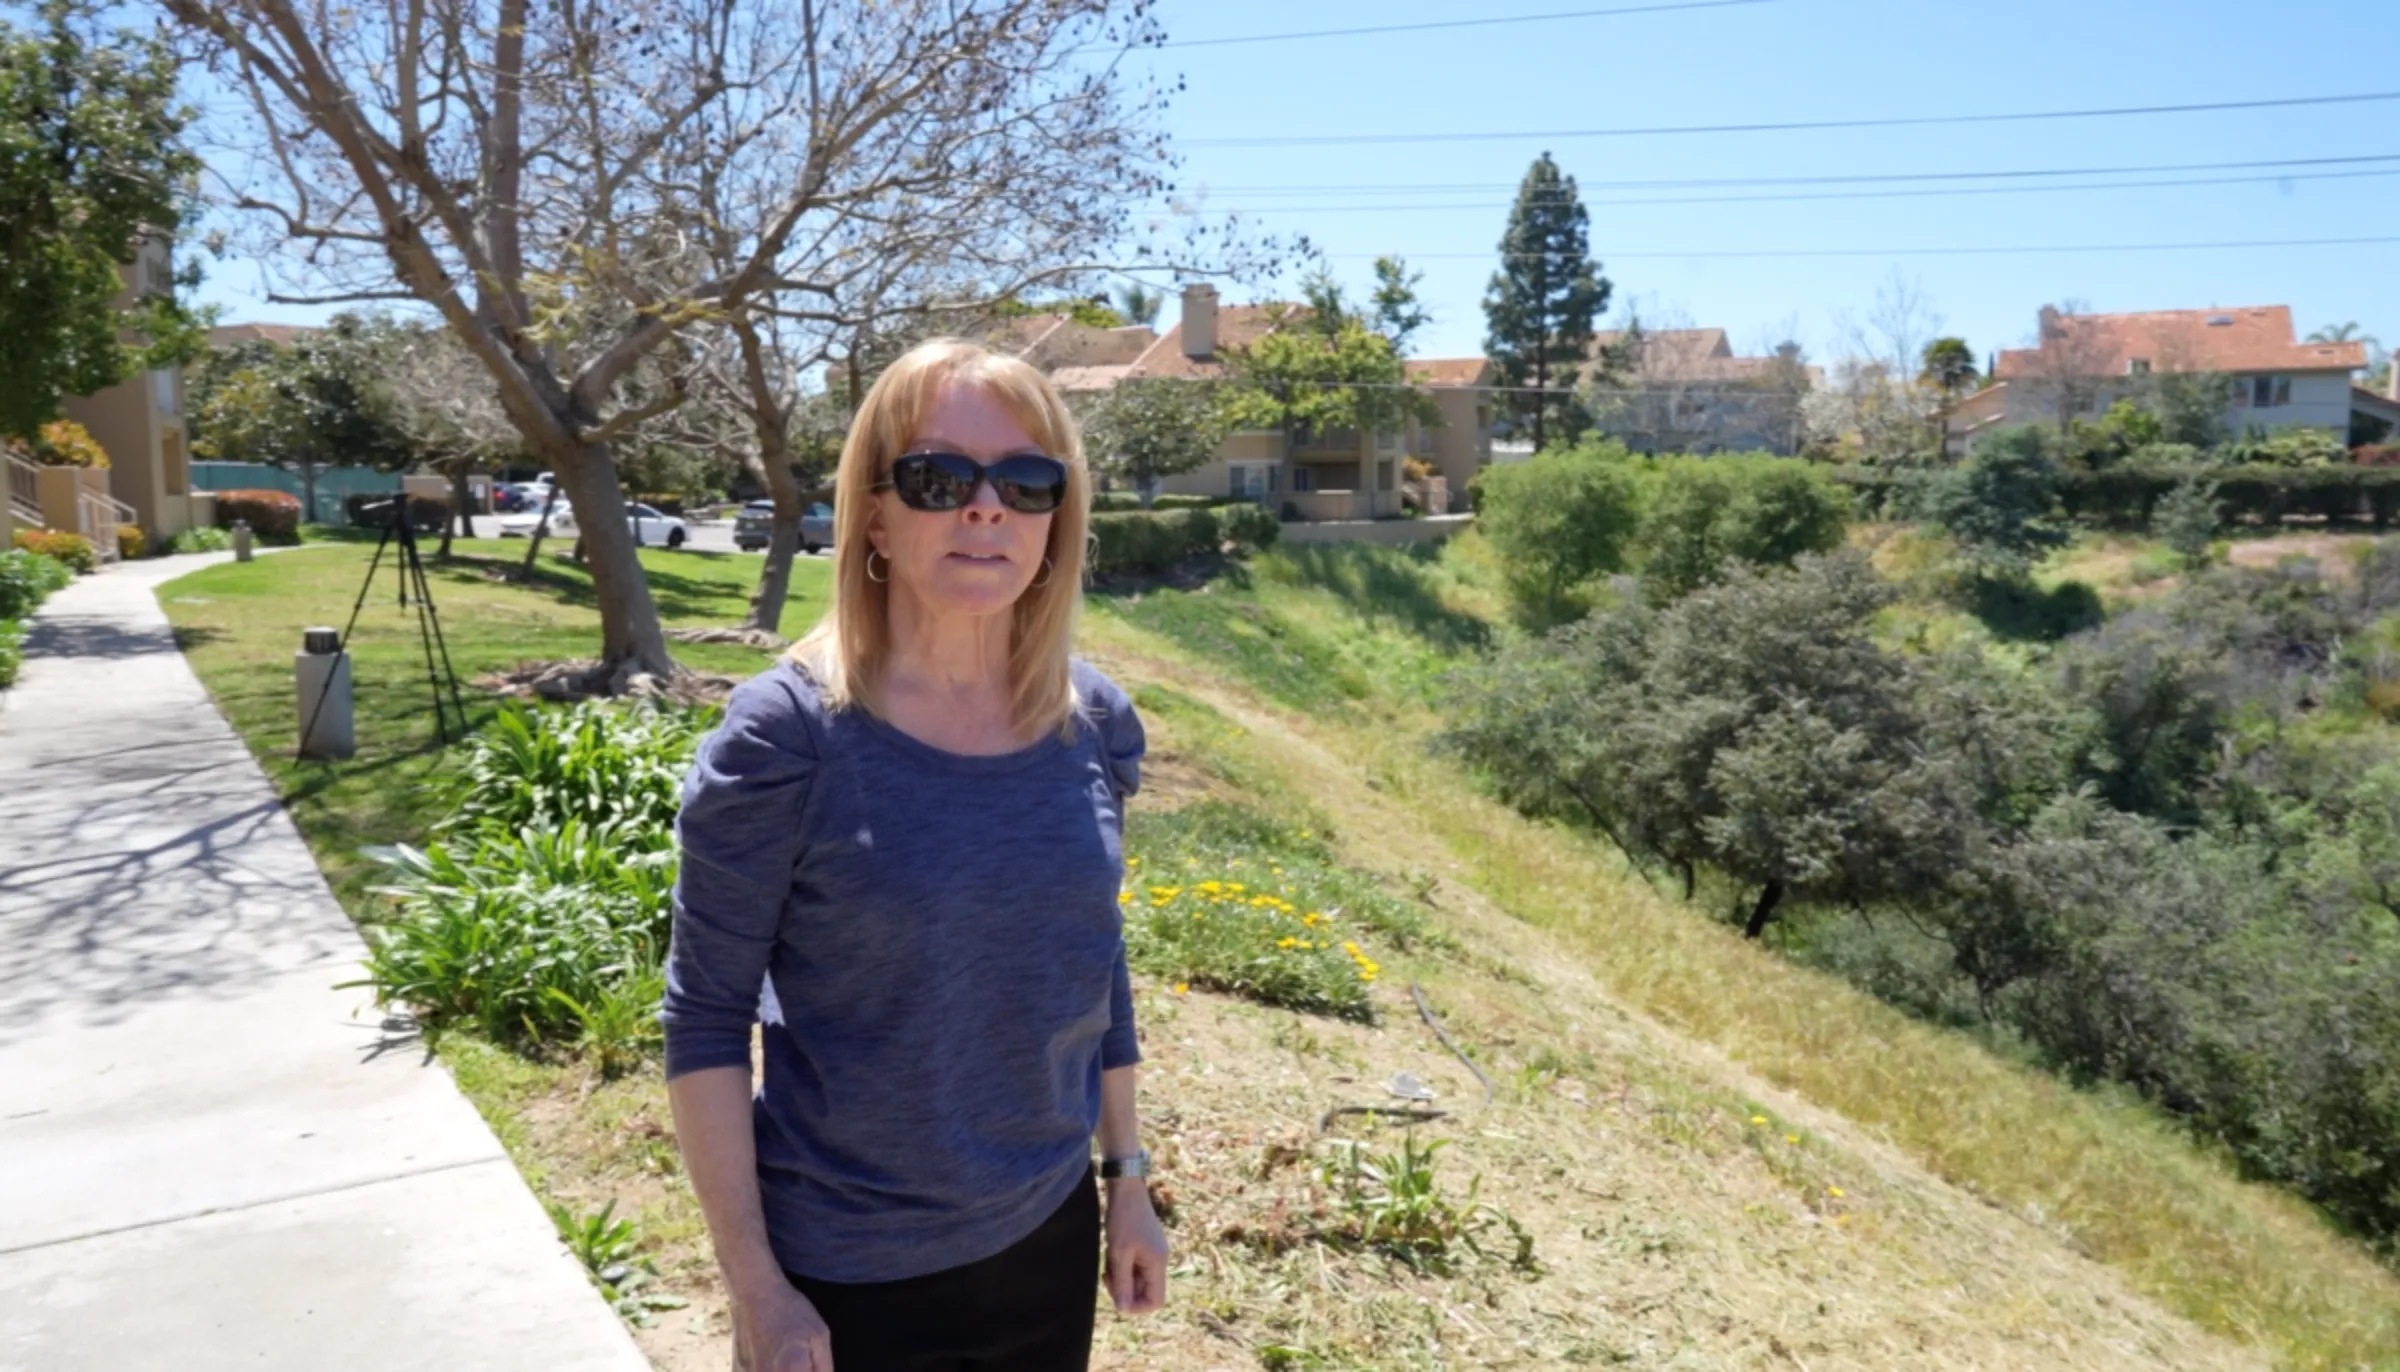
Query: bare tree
point(508, 163)
point(445, 402)
point(2065, 370)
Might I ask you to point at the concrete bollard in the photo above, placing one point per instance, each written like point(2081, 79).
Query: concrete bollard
point(321, 671)
point(241, 540)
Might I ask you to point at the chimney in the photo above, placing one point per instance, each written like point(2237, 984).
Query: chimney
point(1199, 321)
point(2050, 319)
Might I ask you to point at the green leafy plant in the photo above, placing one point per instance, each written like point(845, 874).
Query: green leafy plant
point(12, 652)
point(610, 1251)
point(1392, 1203)
point(618, 1030)
point(200, 540)
point(1559, 522)
point(2186, 521)
point(595, 764)
point(27, 578)
point(523, 937)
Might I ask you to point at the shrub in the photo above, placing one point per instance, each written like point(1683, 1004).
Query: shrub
point(2295, 447)
point(1700, 513)
point(200, 540)
point(1117, 502)
point(26, 579)
point(2376, 454)
point(2186, 520)
point(12, 652)
point(65, 443)
point(74, 550)
point(519, 937)
point(1155, 540)
point(599, 765)
point(1253, 527)
point(270, 514)
point(1999, 502)
point(1559, 521)
point(131, 542)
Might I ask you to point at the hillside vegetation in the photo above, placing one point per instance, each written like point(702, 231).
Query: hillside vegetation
point(1697, 1151)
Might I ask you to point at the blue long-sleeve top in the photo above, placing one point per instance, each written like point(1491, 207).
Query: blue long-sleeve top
point(942, 937)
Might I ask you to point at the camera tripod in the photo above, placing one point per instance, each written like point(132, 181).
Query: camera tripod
point(411, 567)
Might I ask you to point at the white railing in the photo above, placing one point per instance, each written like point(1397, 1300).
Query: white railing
point(24, 490)
point(99, 517)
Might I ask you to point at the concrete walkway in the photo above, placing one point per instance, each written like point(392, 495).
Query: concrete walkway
point(210, 1157)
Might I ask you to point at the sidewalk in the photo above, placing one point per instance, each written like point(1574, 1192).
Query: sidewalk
point(208, 1158)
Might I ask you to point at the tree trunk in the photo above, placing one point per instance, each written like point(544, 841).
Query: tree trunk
point(462, 497)
point(631, 640)
point(774, 471)
point(533, 541)
point(1690, 878)
point(1763, 913)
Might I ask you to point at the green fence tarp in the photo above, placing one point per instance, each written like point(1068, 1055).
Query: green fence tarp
point(334, 484)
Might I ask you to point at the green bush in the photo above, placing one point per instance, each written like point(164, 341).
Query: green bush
point(12, 652)
point(2125, 497)
point(1155, 540)
point(519, 937)
point(1254, 527)
point(200, 540)
point(26, 579)
point(1699, 513)
point(596, 764)
point(540, 916)
point(1559, 521)
point(74, 551)
point(1999, 503)
point(1117, 502)
point(131, 542)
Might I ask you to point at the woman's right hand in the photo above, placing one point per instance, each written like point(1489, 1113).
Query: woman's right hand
point(778, 1330)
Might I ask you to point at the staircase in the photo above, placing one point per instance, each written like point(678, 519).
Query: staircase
point(98, 515)
point(24, 495)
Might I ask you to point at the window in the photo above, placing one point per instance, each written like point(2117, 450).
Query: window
point(2266, 392)
point(1383, 476)
point(2137, 366)
point(162, 389)
point(1386, 440)
point(1303, 479)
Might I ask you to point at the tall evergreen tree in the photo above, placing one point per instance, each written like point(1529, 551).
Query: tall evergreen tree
point(1539, 309)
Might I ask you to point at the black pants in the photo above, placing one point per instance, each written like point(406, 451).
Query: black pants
point(1027, 1308)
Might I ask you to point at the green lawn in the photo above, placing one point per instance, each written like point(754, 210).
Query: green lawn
point(240, 624)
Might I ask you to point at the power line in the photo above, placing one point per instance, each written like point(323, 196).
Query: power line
point(1886, 122)
point(1981, 251)
point(1720, 182)
point(1489, 206)
point(1457, 23)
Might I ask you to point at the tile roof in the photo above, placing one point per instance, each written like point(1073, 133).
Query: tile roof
point(1696, 355)
point(1238, 326)
point(2249, 339)
point(1084, 380)
point(234, 335)
point(1449, 371)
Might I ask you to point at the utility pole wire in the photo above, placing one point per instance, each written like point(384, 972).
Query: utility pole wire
point(1455, 24)
point(1792, 126)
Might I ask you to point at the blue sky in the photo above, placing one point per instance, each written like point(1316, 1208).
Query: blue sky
point(1788, 60)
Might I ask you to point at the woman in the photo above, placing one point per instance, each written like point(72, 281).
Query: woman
point(911, 828)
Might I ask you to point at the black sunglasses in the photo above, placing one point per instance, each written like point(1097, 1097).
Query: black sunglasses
point(1028, 483)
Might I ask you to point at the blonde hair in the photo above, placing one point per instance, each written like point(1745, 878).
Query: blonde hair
point(851, 645)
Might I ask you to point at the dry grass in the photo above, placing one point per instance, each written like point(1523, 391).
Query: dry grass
point(2004, 1156)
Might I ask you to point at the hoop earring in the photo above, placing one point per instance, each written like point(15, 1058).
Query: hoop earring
point(872, 554)
point(1037, 585)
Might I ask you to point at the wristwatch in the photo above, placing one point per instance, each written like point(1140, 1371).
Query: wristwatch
point(1136, 1166)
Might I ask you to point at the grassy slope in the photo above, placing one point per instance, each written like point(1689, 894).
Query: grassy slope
point(1636, 1044)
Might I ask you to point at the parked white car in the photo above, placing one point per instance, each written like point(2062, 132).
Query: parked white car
point(650, 528)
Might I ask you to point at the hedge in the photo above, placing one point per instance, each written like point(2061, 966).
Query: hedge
point(1118, 502)
point(270, 514)
point(1155, 540)
point(2122, 497)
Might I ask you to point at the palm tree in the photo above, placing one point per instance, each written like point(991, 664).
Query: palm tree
point(2345, 332)
point(1949, 366)
point(1138, 303)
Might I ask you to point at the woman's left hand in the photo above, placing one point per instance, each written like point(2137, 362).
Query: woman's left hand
point(1137, 1248)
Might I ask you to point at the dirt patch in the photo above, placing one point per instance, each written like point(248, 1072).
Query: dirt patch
point(2334, 553)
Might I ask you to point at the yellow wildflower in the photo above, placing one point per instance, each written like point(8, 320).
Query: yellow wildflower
point(1182, 986)
point(1758, 1119)
point(1287, 942)
point(1124, 897)
point(1791, 1138)
point(1834, 1191)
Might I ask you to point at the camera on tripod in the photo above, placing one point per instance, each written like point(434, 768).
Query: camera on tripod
point(395, 517)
